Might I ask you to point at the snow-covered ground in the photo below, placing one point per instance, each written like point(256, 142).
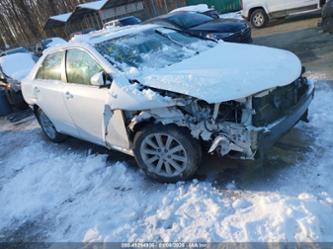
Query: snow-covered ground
point(70, 192)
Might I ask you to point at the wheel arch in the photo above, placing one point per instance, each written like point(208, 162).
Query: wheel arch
point(252, 9)
point(35, 109)
point(155, 120)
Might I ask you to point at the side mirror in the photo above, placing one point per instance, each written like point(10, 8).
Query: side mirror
point(98, 79)
point(101, 79)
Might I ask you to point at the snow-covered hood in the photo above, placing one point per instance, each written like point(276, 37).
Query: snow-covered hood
point(227, 72)
point(17, 66)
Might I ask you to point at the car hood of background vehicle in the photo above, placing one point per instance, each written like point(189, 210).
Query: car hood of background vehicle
point(221, 25)
point(227, 72)
point(17, 66)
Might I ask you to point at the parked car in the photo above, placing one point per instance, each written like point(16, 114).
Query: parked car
point(199, 8)
point(158, 94)
point(13, 68)
point(327, 17)
point(47, 43)
point(260, 12)
point(14, 51)
point(125, 21)
point(193, 23)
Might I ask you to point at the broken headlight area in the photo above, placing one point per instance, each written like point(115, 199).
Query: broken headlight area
point(276, 103)
point(265, 118)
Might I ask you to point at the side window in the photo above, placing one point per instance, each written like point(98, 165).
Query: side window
point(51, 67)
point(80, 67)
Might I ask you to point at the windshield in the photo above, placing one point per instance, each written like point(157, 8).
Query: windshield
point(187, 20)
point(152, 48)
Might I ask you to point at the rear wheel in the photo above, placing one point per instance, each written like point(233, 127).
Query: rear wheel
point(167, 153)
point(259, 18)
point(48, 128)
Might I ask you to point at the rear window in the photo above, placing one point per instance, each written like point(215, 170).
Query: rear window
point(51, 67)
point(188, 20)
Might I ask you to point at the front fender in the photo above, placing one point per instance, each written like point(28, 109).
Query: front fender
point(132, 97)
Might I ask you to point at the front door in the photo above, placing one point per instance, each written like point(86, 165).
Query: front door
point(85, 102)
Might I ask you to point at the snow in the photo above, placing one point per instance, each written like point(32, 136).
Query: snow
point(214, 76)
point(95, 5)
point(195, 8)
point(102, 35)
point(62, 17)
point(232, 15)
point(18, 65)
point(55, 41)
point(74, 193)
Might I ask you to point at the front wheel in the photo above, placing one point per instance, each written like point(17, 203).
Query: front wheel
point(167, 153)
point(48, 128)
point(259, 18)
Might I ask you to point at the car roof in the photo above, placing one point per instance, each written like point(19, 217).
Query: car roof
point(127, 17)
point(171, 14)
point(102, 35)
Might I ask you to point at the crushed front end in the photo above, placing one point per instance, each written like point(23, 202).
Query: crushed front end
point(261, 120)
point(243, 128)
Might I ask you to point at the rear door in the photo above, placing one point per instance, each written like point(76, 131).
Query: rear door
point(85, 102)
point(303, 5)
point(48, 91)
point(290, 6)
point(275, 5)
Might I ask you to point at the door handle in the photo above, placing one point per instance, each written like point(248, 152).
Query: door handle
point(36, 89)
point(69, 95)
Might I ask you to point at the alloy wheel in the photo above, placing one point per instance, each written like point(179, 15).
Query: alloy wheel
point(164, 155)
point(259, 19)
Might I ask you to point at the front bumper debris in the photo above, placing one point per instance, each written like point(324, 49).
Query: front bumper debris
point(251, 142)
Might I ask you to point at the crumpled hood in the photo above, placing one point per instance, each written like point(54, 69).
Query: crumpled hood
point(227, 72)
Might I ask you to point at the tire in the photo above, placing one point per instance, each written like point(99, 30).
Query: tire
point(177, 154)
point(259, 18)
point(48, 128)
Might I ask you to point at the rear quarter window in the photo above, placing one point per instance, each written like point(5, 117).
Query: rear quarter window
point(51, 67)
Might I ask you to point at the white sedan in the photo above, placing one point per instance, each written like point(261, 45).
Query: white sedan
point(160, 95)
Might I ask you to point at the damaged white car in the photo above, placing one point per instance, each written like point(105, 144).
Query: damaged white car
point(161, 95)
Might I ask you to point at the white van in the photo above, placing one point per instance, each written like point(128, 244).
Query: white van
point(259, 12)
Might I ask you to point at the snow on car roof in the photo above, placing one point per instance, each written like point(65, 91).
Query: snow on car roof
point(62, 17)
point(107, 34)
point(96, 5)
point(54, 41)
point(195, 8)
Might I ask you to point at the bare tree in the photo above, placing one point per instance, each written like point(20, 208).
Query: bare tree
point(22, 21)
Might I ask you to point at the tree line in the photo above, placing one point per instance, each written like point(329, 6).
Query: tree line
point(22, 21)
